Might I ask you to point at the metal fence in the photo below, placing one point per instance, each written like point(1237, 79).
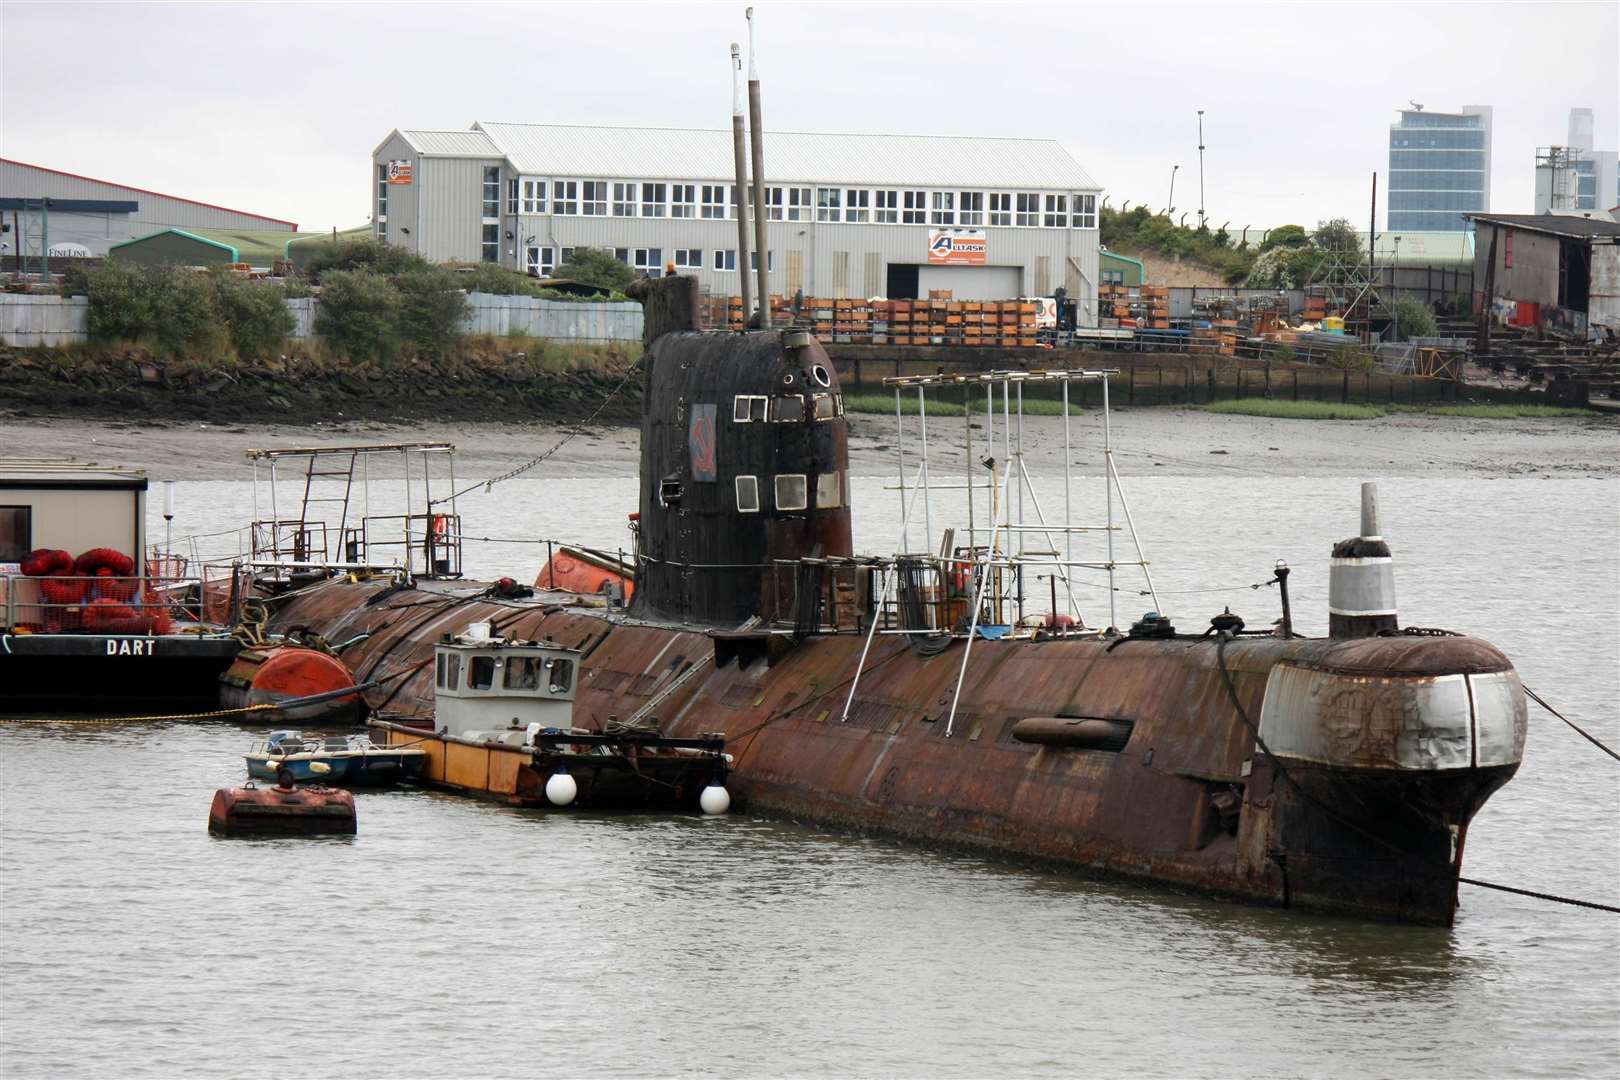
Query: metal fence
point(28, 319)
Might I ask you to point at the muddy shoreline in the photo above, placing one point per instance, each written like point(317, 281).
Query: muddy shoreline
point(1148, 441)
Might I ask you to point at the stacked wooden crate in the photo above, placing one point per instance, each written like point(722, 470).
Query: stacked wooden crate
point(1156, 299)
point(938, 320)
point(720, 312)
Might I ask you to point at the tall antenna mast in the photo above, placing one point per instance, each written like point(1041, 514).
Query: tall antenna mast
point(756, 125)
point(739, 155)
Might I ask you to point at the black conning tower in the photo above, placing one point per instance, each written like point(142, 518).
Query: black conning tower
point(744, 462)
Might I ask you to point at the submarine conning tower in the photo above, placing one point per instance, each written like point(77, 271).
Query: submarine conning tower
point(744, 464)
point(1361, 578)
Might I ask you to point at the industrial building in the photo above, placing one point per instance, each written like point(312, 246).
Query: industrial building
point(1439, 169)
point(86, 217)
point(1575, 176)
point(847, 215)
point(1551, 271)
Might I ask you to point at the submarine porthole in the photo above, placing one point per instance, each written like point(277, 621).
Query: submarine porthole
point(787, 409)
point(747, 494)
point(669, 493)
point(819, 373)
point(792, 492)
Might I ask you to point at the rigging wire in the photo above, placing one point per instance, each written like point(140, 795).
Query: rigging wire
point(1578, 729)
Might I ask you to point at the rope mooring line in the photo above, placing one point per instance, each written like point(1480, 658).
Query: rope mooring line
point(1582, 732)
point(1540, 895)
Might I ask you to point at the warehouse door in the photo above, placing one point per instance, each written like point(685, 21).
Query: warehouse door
point(971, 282)
point(903, 281)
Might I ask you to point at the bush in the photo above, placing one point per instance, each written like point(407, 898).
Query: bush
point(1412, 318)
point(432, 306)
point(1349, 358)
point(497, 280)
point(254, 314)
point(169, 308)
point(1287, 236)
point(363, 253)
point(359, 313)
point(596, 267)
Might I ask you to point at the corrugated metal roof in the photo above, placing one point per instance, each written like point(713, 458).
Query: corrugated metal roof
point(451, 143)
point(1554, 224)
point(790, 156)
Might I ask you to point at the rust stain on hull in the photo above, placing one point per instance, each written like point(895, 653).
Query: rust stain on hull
point(1188, 801)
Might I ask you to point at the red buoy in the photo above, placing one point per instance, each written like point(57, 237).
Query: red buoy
point(275, 674)
point(281, 811)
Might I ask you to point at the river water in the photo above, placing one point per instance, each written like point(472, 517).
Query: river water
point(457, 938)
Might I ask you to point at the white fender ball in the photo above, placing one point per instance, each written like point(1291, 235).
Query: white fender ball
point(561, 789)
point(715, 800)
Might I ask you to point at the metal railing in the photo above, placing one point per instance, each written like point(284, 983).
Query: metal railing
point(100, 604)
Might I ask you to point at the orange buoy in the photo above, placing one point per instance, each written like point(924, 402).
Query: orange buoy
point(278, 811)
point(273, 674)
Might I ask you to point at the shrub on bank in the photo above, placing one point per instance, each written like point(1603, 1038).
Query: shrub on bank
point(359, 314)
point(255, 314)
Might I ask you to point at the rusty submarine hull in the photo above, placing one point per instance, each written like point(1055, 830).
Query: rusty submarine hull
point(1333, 774)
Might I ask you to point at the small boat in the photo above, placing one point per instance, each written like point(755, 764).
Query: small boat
point(503, 728)
point(346, 760)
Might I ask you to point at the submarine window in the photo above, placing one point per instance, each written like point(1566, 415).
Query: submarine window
point(438, 675)
point(827, 491)
point(819, 373)
point(825, 407)
point(562, 675)
point(791, 490)
point(748, 408)
point(669, 493)
point(481, 673)
point(747, 494)
point(522, 673)
point(787, 409)
point(452, 676)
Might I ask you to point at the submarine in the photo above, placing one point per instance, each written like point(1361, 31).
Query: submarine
point(913, 696)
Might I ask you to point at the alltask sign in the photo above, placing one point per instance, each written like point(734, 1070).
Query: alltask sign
point(964, 248)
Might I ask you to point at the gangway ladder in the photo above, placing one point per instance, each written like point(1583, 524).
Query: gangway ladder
point(347, 476)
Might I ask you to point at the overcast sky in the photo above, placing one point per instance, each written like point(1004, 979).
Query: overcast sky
point(275, 108)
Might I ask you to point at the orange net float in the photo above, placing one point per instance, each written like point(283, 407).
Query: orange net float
point(43, 562)
point(115, 562)
point(63, 591)
point(107, 616)
point(111, 587)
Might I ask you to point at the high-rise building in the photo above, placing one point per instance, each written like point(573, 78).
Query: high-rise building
point(1439, 169)
point(1576, 176)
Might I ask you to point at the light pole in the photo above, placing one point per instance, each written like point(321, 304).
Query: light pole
point(1200, 168)
point(1171, 208)
point(1394, 287)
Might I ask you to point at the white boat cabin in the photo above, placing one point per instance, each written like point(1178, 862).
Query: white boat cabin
point(493, 688)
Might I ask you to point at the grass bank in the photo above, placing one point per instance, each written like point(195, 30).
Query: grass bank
point(1325, 410)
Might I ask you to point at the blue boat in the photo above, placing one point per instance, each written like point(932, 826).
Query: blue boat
point(340, 760)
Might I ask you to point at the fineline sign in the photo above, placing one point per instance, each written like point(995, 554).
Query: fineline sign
point(965, 248)
point(399, 172)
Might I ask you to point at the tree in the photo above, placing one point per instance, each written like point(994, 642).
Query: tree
point(432, 307)
point(361, 253)
point(1285, 236)
point(359, 313)
point(596, 267)
point(1338, 236)
point(254, 313)
point(1412, 318)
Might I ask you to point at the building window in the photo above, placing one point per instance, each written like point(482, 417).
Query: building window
point(382, 192)
point(382, 230)
point(1001, 208)
point(747, 494)
point(773, 204)
point(1057, 212)
point(714, 202)
point(1112, 277)
point(748, 408)
point(1029, 210)
point(688, 258)
point(17, 531)
point(887, 203)
point(492, 243)
point(512, 196)
point(972, 208)
point(683, 200)
point(798, 204)
point(594, 198)
point(541, 261)
point(770, 262)
point(725, 259)
point(791, 492)
point(650, 261)
point(565, 256)
point(653, 198)
point(857, 205)
point(565, 196)
point(1085, 212)
point(944, 208)
point(534, 196)
point(829, 204)
point(916, 208)
point(827, 491)
point(624, 200)
point(492, 191)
